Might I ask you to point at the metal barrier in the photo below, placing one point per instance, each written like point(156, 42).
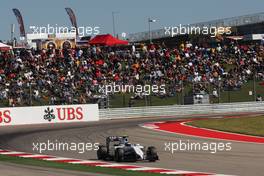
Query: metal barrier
point(180, 110)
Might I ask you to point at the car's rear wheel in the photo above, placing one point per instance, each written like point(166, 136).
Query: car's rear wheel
point(102, 152)
point(152, 154)
point(119, 155)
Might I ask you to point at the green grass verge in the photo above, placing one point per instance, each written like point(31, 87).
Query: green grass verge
point(242, 94)
point(244, 125)
point(74, 167)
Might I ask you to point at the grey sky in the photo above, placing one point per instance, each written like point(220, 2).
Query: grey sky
point(132, 15)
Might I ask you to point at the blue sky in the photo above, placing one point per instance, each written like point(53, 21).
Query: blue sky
point(132, 16)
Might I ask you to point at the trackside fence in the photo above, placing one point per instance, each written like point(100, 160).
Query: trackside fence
point(181, 110)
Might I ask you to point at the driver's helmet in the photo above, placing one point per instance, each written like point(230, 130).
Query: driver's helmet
point(125, 140)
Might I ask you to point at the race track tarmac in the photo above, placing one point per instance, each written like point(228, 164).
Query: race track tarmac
point(245, 159)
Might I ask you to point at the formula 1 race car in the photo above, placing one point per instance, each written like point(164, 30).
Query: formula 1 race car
point(118, 149)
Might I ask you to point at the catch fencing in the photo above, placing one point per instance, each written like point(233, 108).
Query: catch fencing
point(181, 110)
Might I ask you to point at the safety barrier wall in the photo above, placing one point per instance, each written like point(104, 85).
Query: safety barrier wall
point(180, 110)
point(90, 112)
point(48, 114)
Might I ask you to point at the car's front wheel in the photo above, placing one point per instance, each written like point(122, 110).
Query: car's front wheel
point(102, 152)
point(152, 154)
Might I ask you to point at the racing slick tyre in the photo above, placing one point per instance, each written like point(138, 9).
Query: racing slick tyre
point(152, 154)
point(102, 152)
point(119, 155)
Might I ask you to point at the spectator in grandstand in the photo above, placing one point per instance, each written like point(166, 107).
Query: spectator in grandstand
point(259, 98)
point(74, 75)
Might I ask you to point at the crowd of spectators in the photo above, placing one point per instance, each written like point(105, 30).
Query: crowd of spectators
point(73, 75)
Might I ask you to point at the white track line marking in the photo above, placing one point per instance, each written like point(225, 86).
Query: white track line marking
point(114, 165)
point(33, 156)
point(179, 172)
point(85, 162)
point(144, 169)
point(57, 159)
point(11, 153)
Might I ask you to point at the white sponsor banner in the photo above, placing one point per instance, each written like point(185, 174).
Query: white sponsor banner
point(48, 114)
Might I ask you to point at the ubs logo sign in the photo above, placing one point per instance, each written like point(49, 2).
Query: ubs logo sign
point(49, 114)
point(63, 114)
point(5, 117)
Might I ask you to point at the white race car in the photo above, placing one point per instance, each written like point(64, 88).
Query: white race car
point(118, 149)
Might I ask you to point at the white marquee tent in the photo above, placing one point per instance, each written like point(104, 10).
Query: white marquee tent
point(4, 47)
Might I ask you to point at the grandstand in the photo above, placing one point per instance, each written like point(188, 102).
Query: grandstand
point(210, 73)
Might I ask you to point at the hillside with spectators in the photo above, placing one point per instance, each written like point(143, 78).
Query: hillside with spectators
point(72, 76)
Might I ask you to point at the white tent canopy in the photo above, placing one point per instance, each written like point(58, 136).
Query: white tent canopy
point(4, 47)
